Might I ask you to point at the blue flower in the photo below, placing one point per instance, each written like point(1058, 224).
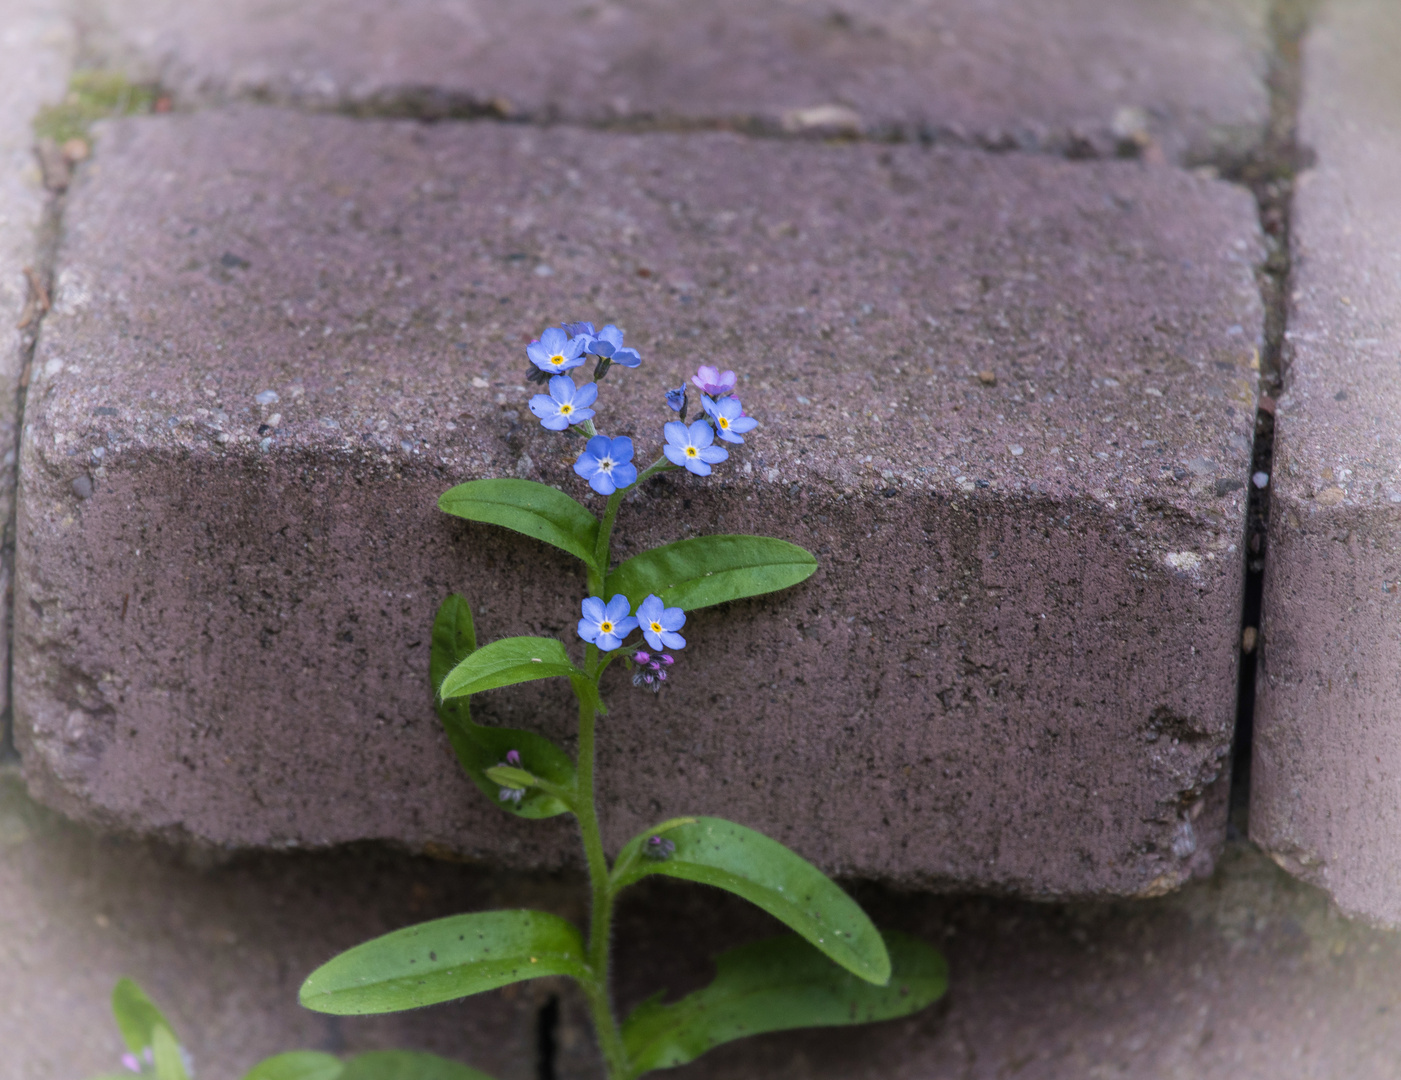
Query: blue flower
point(608, 343)
point(606, 626)
point(579, 329)
point(565, 404)
point(659, 624)
point(729, 417)
point(556, 352)
point(676, 400)
point(607, 463)
point(691, 447)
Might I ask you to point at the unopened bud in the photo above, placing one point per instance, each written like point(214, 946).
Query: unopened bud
point(658, 848)
point(513, 757)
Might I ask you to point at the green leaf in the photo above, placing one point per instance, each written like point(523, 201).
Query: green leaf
point(443, 960)
point(170, 1065)
point(706, 570)
point(136, 1016)
point(776, 985)
point(407, 1065)
point(536, 510)
point(716, 852)
point(297, 1065)
point(480, 748)
point(508, 776)
point(454, 639)
point(506, 662)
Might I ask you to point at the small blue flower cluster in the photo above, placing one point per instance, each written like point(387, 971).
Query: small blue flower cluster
point(606, 463)
point(606, 625)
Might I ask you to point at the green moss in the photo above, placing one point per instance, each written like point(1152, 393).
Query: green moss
point(92, 96)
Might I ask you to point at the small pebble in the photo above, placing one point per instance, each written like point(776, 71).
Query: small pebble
point(266, 397)
point(82, 487)
point(1260, 479)
point(275, 420)
point(544, 270)
point(1248, 637)
point(1015, 450)
point(987, 378)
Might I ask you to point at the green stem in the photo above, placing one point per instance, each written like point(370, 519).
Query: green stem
point(610, 1039)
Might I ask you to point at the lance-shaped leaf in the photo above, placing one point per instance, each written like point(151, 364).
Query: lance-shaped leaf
point(407, 1065)
point(443, 960)
point(716, 852)
point(298, 1065)
point(169, 1061)
point(136, 1015)
point(480, 748)
point(536, 510)
point(506, 662)
point(706, 570)
point(776, 985)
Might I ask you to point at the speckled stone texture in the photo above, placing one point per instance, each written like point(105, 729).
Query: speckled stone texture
point(1085, 77)
point(1013, 670)
point(1326, 798)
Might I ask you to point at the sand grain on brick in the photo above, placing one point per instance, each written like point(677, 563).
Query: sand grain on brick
point(1326, 799)
point(278, 338)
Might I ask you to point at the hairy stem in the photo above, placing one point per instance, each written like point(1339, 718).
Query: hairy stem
point(610, 1039)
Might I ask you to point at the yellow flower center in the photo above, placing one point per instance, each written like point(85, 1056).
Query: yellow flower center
point(606, 626)
point(557, 359)
point(723, 422)
point(656, 628)
point(691, 451)
point(565, 410)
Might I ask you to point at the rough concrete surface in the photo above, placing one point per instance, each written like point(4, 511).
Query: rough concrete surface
point(1085, 77)
point(1326, 799)
point(1247, 975)
point(223, 950)
point(1014, 668)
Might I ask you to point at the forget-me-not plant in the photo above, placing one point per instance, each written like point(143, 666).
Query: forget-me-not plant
point(834, 967)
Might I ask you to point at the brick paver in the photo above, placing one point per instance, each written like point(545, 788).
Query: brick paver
point(1076, 76)
point(1249, 975)
point(222, 950)
point(1326, 799)
point(1014, 669)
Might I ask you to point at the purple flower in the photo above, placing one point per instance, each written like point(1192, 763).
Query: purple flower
point(729, 417)
point(556, 352)
point(606, 625)
point(608, 343)
point(690, 447)
point(607, 463)
point(659, 624)
point(565, 404)
point(513, 758)
point(713, 381)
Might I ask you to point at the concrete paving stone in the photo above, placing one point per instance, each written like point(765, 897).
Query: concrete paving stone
point(36, 43)
point(1073, 76)
point(1248, 976)
point(1326, 799)
point(1014, 668)
point(222, 949)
